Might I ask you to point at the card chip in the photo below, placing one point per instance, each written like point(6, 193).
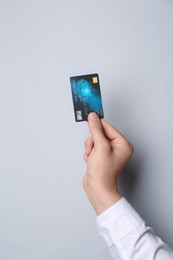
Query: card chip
point(95, 80)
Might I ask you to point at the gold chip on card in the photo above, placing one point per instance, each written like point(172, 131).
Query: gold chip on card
point(95, 80)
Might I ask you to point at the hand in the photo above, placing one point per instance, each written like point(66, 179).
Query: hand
point(106, 154)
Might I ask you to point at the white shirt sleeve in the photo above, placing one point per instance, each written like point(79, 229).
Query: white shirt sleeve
point(127, 235)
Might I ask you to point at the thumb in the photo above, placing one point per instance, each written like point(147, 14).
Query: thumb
point(96, 128)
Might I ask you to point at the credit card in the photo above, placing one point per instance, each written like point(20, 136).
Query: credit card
point(86, 96)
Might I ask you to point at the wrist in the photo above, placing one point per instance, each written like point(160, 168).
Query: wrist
point(101, 198)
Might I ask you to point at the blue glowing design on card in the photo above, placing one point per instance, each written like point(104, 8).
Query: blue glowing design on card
point(88, 95)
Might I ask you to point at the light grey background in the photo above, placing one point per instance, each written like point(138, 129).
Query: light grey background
point(44, 213)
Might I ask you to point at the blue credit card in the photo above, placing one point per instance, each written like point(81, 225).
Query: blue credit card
point(86, 96)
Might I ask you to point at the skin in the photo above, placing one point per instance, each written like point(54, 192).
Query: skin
point(106, 153)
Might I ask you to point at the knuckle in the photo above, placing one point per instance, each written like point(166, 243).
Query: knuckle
point(130, 148)
point(87, 141)
point(84, 182)
point(85, 157)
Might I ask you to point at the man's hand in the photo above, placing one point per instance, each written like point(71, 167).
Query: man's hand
point(106, 154)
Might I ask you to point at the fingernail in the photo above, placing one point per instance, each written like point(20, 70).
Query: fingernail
point(93, 116)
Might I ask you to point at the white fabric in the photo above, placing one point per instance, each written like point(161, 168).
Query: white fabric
point(127, 235)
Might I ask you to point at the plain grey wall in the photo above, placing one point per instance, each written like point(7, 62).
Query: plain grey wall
point(44, 213)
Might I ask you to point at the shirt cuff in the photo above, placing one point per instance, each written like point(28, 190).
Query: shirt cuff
point(117, 221)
